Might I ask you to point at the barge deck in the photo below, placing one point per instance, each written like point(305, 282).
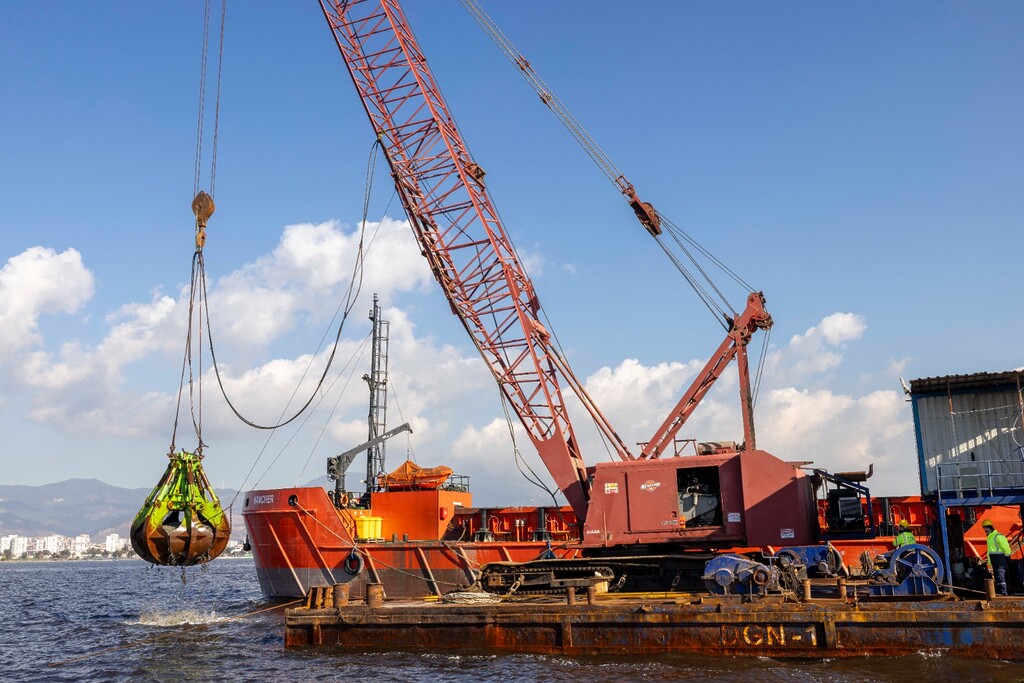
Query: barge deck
point(728, 625)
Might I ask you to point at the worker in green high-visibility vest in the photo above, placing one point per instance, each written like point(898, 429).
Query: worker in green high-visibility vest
point(998, 555)
point(904, 537)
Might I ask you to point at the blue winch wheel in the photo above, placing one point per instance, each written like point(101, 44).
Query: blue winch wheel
point(917, 561)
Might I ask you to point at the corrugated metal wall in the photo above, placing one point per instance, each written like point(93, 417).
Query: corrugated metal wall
point(970, 440)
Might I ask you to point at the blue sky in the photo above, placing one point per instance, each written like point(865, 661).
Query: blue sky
point(860, 163)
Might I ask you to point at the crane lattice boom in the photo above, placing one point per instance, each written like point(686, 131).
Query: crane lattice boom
point(458, 228)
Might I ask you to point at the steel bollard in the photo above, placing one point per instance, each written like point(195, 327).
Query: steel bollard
point(374, 595)
point(340, 594)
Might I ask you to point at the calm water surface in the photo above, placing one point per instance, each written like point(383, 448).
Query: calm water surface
point(127, 621)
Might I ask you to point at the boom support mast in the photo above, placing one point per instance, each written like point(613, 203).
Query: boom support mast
point(753, 317)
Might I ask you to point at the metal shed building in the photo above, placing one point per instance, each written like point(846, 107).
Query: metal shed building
point(970, 441)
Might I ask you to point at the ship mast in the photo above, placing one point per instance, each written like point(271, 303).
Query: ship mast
point(377, 381)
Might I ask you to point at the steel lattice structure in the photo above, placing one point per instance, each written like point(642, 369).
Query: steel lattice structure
point(458, 228)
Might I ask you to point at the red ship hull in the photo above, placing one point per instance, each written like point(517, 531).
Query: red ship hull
point(300, 540)
point(433, 542)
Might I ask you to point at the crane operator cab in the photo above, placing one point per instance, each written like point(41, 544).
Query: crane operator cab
point(700, 501)
point(727, 498)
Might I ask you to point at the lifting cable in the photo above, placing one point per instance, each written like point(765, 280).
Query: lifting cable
point(532, 477)
point(203, 207)
point(351, 295)
point(717, 304)
point(348, 371)
point(353, 363)
point(344, 308)
point(182, 522)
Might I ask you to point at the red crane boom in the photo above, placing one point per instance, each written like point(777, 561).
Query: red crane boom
point(697, 501)
point(459, 230)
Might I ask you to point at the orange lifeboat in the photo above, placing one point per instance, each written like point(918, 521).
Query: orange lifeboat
point(412, 477)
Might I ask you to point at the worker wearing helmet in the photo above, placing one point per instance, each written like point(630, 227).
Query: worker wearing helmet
point(998, 555)
point(904, 537)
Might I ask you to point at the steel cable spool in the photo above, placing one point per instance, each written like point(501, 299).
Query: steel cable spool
point(182, 522)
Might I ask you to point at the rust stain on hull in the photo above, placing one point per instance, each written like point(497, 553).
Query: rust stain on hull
point(782, 630)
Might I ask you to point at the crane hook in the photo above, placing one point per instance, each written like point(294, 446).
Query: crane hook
point(203, 207)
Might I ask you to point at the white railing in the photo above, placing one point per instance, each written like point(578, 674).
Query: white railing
point(980, 478)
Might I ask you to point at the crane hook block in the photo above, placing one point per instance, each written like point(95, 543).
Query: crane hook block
point(203, 207)
point(647, 214)
point(182, 522)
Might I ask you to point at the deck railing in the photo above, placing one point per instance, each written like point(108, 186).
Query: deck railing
point(979, 478)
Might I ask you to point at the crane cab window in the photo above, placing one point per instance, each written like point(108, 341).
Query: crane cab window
point(700, 500)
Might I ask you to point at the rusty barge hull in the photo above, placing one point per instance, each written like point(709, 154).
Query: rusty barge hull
point(978, 629)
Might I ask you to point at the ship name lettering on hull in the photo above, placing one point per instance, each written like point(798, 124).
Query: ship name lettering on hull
point(769, 635)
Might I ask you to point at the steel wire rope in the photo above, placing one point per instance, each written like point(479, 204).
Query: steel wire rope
point(216, 114)
point(346, 306)
point(702, 271)
point(194, 384)
point(604, 162)
point(717, 312)
point(266, 443)
point(762, 358)
point(357, 356)
point(349, 304)
point(204, 62)
point(592, 148)
point(401, 417)
point(355, 286)
point(202, 98)
point(187, 363)
point(354, 361)
point(547, 96)
point(680, 234)
point(521, 462)
point(556, 348)
point(197, 416)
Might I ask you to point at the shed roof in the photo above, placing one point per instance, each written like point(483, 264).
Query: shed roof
point(972, 382)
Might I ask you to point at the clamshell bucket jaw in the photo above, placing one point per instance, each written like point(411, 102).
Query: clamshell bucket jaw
point(182, 522)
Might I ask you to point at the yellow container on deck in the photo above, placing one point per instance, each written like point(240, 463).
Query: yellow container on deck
point(368, 527)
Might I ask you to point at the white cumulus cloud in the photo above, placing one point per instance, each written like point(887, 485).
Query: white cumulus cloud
point(36, 282)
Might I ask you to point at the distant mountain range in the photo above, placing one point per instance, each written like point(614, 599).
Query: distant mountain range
point(82, 506)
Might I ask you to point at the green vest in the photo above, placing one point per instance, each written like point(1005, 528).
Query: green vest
point(904, 538)
point(997, 544)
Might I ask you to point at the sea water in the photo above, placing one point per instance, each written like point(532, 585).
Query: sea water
point(124, 620)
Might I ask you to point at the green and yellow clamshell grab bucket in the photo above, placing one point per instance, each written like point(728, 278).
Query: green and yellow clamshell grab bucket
point(182, 522)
